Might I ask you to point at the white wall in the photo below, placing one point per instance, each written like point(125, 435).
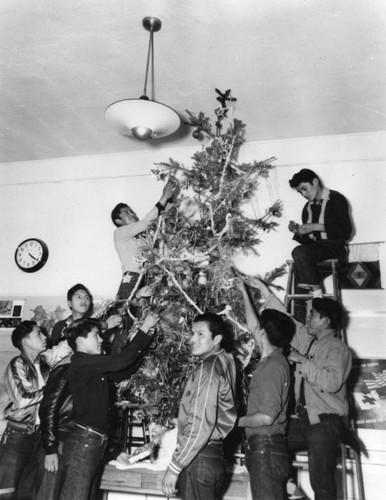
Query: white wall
point(67, 202)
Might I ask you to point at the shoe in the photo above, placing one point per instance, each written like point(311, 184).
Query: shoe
point(306, 286)
point(293, 492)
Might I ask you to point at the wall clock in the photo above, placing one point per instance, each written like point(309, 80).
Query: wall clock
point(31, 255)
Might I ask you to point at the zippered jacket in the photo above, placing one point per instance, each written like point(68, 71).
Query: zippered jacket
point(207, 409)
point(22, 387)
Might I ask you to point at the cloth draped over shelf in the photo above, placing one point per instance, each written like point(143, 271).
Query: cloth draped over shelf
point(362, 271)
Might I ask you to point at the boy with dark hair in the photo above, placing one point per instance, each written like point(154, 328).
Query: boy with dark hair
point(206, 415)
point(323, 364)
point(326, 227)
point(266, 419)
point(88, 381)
point(127, 237)
point(80, 303)
point(25, 377)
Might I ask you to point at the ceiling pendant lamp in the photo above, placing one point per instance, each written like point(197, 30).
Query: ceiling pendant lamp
point(144, 118)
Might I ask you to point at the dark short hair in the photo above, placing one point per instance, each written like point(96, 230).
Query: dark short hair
point(217, 326)
point(279, 327)
point(21, 331)
point(79, 286)
point(304, 175)
point(115, 214)
point(331, 309)
point(81, 328)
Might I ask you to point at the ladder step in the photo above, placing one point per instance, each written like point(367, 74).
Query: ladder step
point(308, 296)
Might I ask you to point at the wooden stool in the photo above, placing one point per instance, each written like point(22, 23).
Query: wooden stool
point(135, 432)
point(328, 267)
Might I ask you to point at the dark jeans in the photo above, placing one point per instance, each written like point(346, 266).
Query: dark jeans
point(267, 462)
point(82, 453)
point(49, 483)
point(306, 258)
point(202, 479)
point(16, 448)
point(36, 483)
point(321, 441)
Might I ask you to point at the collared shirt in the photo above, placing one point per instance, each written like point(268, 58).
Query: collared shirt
point(59, 330)
point(316, 210)
point(129, 244)
point(269, 393)
point(334, 215)
point(325, 371)
point(89, 382)
point(207, 408)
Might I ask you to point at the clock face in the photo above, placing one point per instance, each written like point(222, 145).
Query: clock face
point(31, 255)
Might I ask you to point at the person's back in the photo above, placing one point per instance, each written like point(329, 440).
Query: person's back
point(266, 419)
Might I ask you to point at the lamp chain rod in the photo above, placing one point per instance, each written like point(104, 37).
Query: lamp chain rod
point(150, 51)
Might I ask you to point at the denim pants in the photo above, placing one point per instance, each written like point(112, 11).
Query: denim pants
point(82, 453)
point(16, 448)
point(202, 478)
point(321, 441)
point(267, 462)
point(306, 258)
point(49, 483)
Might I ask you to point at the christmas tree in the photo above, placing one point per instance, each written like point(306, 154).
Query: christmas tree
point(188, 259)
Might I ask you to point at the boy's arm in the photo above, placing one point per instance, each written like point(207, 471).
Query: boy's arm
point(58, 352)
point(250, 314)
point(138, 227)
point(301, 338)
point(49, 410)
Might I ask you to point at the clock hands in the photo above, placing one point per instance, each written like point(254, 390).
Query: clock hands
point(33, 256)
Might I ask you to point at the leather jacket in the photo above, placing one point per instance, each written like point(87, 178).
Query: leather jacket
point(55, 411)
point(22, 387)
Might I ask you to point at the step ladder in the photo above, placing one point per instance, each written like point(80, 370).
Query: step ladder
point(327, 267)
point(292, 296)
point(347, 454)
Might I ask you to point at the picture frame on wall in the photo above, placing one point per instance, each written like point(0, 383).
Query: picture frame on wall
point(368, 386)
point(11, 312)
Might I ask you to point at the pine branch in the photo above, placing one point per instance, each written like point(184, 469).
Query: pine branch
point(228, 218)
point(225, 312)
point(182, 291)
point(228, 157)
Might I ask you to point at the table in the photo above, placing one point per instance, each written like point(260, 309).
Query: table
point(147, 482)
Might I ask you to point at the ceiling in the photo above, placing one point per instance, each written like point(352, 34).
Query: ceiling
point(297, 68)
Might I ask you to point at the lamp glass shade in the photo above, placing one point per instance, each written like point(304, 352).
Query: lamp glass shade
point(143, 119)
